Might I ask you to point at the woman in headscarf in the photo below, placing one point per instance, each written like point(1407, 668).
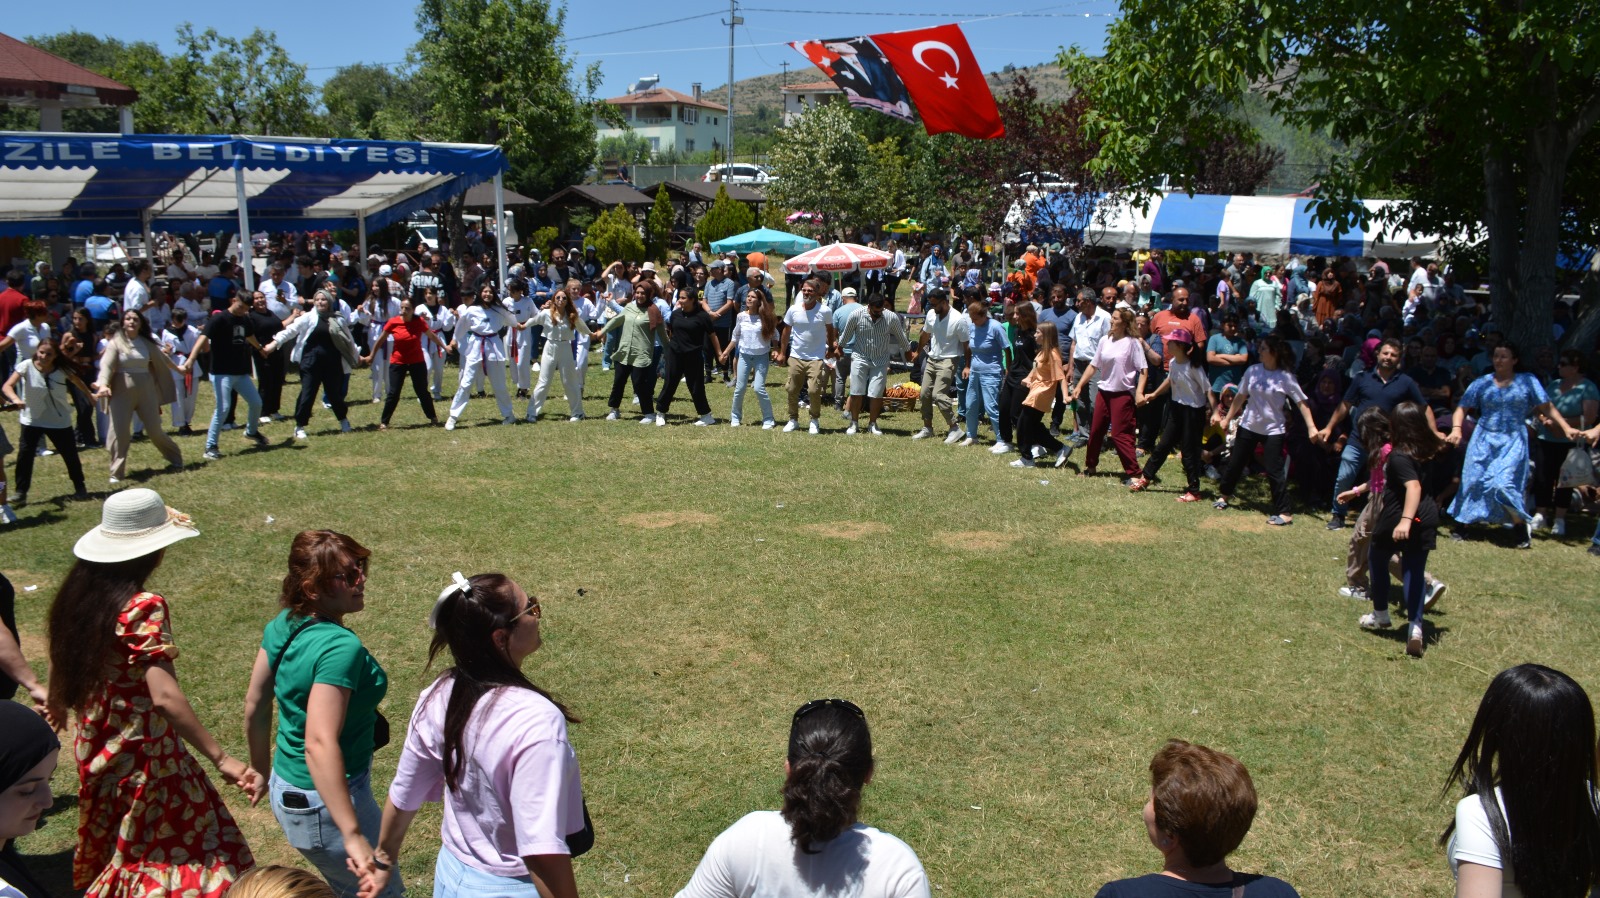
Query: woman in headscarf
point(28, 753)
point(1315, 466)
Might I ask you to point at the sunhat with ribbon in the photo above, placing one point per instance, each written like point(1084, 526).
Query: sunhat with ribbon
point(133, 524)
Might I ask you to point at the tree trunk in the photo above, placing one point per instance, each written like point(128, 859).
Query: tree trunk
point(454, 209)
point(1500, 223)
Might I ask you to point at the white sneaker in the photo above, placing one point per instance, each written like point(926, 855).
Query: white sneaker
point(790, 427)
point(661, 420)
point(922, 434)
point(814, 429)
point(873, 429)
point(7, 516)
point(952, 438)
point(851, 430)
point(1022, 463)
point(1001, 447)
point(1558, 527)
point(449, 424)
point(635, 400)
point(1414, 641)
point(114, 481)
point(969, 441)
point(734, 422)
point(344, 426)
point(705, 421)
point(264, 419)
point(768, 425)
point(1375, 620)
point(535, 367)
point(1353, 592)
point(1435, 592)
point(575, 418)
point(1212, 473)
point(300, 433)
point(613, 415)
point(1536, 522)
point(648, 419)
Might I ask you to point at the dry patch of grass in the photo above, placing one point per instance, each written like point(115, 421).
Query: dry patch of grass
point(661, 520)
point(850, 530)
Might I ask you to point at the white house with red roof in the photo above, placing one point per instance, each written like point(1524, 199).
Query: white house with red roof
point(669, 119)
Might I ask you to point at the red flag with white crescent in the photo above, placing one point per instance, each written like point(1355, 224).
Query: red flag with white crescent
point(944, 80)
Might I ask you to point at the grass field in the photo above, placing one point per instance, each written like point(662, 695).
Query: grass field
point(1021, 648)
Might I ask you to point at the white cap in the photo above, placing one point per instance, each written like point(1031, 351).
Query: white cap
point(384, 271)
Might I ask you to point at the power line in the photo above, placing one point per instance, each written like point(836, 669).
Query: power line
point(704, 15)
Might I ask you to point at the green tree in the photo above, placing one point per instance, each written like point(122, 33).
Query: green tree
point(615, 235)
point(1474, 110)
point(725, 218)
point(658, 225)
point(217, 84)
point(375, 102)
point(627, 149)
point(822, 164)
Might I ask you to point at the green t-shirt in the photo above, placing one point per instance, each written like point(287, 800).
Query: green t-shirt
point(325, 653)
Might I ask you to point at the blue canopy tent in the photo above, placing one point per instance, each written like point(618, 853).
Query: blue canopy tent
point(763, 239)
point(108, 183)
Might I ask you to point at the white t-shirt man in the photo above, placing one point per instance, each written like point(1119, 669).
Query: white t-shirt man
point(946, 334)
point(1086, 333)
point(808, 335)
point(136, 295)
point(755, 857)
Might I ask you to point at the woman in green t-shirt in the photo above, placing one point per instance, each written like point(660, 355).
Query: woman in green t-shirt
point(327, 686)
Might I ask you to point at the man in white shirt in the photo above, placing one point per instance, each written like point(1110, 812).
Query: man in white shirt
point(282, 298)
point(1091, 324)
point(137, 294)
point(943, 344)
point(808, 339)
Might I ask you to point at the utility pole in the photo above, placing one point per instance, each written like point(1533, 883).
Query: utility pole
point(785, 65)
point(734, 19)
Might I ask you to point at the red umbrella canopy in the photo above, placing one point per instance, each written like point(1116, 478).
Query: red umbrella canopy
point(838, 257)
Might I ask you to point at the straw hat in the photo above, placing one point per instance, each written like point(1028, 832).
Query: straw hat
point(133, 524)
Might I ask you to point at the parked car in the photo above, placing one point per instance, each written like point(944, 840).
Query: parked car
point(738, 173)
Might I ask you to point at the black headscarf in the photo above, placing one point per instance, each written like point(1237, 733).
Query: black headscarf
point(25, 740)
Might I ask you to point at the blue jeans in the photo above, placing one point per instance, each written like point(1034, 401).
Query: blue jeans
point(983, 397)
point(312, 832)
point(613, 340)
point(754, 363)
point(452, 878)
point(1352, 462)
point(225, 385)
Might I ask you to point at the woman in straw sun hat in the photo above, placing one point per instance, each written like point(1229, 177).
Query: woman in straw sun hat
point(149, 821)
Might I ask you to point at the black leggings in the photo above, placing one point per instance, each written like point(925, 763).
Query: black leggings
point(1150, 417)
point(1547, 463)
point(686, 367)
point(644, 380)
point(61, 438)
point(1031, 432)
point(419, 385)
point(332, 380)
point(1244, 449)
point(1010, 404)
point(1185, 425)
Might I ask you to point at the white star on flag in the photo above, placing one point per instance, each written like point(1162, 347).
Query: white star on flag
point(948, 79)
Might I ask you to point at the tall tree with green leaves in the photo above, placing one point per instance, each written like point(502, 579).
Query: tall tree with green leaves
point(615, 235)
point(1473, 110)
point(658, 225)
point(822, 164)
point(725, 218)
point(375, 102)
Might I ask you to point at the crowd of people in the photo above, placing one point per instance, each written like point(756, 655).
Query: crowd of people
point(492, 744)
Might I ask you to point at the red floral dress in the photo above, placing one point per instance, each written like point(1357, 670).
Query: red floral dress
point(149, 822)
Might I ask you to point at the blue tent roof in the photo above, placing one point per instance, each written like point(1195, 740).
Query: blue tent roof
point(109, 183)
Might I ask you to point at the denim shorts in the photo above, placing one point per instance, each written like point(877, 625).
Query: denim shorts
point(453, 878)
point(312, 832)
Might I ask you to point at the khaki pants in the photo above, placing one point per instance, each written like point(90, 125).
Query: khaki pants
point(937, 377)
point(136, 394)
point(801, 373)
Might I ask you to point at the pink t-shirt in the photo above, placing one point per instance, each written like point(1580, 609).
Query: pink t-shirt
point(519, 794)
point(1118, 362)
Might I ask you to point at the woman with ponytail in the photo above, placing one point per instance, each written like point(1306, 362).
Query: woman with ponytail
point(495, 746)
point(815, 847)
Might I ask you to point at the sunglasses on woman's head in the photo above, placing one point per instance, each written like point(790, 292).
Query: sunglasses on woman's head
point(816, 703)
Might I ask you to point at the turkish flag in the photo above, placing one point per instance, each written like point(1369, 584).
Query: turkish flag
point(944, 80)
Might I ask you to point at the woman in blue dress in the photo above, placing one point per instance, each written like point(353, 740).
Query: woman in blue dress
point(1494, 476)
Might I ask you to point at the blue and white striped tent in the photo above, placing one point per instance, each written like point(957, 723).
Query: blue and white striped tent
point(1257, 224)
point(76, 184)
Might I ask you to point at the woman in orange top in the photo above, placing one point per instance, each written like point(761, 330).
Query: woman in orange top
point(1329, 298)
point(1043, 381)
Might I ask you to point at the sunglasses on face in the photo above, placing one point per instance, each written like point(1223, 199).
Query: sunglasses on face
point(356, 573)
point(532, 610)
point(816, 703)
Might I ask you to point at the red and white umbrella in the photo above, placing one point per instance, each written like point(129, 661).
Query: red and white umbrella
point(838, 257)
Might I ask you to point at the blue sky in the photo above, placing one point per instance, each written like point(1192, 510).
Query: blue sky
point(692, 47)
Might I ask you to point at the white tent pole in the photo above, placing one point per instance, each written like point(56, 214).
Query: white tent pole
point(246, 249)
point(149, 237)
point(499, 229)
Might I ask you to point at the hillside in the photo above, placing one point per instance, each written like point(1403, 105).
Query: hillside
point(767, 90)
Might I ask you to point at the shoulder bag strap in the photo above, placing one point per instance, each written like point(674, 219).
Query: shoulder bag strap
point(287, 642)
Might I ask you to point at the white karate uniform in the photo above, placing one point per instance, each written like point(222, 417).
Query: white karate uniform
point(443, 324)
point(523, 310)
point(181, 346)
point(374, 318)
point(558, 356)
point(482, 352)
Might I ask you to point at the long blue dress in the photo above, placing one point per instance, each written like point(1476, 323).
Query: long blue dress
point(1495, 472)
